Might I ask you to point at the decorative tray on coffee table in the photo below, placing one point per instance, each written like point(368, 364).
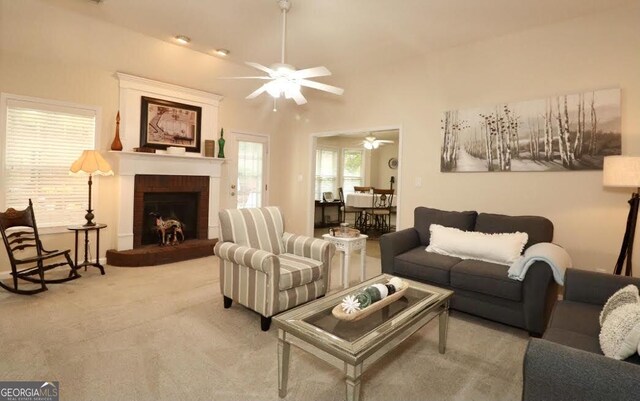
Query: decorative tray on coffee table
point(345, 232)
point(338, 313)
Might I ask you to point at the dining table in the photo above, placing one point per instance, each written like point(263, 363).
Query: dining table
point(365, 200)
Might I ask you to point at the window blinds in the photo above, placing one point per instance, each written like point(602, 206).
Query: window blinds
point(42, 141)
point(326, 172)
point(352, 169)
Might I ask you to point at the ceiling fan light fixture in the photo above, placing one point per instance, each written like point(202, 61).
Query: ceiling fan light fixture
point(368, 145)
point(222, 52)
point(274, 90)
point(284, 79)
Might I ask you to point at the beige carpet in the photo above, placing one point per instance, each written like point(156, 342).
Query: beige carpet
point(161, 333)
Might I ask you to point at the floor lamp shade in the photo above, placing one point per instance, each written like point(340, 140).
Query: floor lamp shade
point(624, 172)
point(621, 171)
point(90, 163)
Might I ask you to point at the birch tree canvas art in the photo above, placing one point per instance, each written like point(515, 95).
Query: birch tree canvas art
point(568, 132)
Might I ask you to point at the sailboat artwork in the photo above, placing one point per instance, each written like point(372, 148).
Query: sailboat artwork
point(165, 123)
point(559, 133)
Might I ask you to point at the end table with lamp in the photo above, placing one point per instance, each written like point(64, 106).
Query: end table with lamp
point(89, 163)
point(87, 262)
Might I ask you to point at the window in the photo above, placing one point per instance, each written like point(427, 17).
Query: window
point(352, 169)
point(42, 139)
point(326, 172)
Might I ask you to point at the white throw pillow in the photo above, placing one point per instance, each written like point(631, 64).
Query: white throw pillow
point(625, 295)
point(620, 332)
point(502, 248)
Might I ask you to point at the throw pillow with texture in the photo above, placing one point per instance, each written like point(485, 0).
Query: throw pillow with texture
point(620, 333)
point(503, 248)
point(625, 295)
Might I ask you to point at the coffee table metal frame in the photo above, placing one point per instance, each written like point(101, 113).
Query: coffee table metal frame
point(354, 357)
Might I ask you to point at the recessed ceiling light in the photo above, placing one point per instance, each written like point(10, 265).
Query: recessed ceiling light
point(222, 52)
point(183, 40)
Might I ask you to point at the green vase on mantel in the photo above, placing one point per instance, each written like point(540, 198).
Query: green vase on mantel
point(221, 144)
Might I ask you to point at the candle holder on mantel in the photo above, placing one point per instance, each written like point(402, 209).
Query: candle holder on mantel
point(117, 144)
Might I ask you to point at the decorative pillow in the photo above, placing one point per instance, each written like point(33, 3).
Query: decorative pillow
point(502, 248)
point(625, 295)
point(620, 333)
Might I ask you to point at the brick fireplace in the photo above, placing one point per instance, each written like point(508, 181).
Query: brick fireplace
point(139, 173)
point(181, 197)
point(162, 173)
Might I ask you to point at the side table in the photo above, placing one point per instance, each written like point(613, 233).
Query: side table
point(86, 230)
point(347, 245)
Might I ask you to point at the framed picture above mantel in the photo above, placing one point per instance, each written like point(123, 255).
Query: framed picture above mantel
point(164, 123)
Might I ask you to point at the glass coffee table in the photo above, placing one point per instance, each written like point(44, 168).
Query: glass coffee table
point(354, 346)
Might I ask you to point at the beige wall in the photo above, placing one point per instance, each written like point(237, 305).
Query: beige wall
point(380, 171)
point(598, 51)
point(51, 53)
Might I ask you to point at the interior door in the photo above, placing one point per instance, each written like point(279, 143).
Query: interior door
point(251, 180)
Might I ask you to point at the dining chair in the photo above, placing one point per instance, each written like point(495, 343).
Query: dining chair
point(356, 211)
point(362, 189)
point(380, 213)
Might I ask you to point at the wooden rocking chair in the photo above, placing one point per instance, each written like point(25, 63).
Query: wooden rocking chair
point(20, 233)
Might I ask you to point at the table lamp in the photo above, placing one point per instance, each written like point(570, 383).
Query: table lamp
point(90, 163)
point(624, 172)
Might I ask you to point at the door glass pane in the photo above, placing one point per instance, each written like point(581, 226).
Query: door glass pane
point(250, 182)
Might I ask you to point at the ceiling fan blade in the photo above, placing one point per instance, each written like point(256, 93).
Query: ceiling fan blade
point(297, 96)
point(321, 86)
point(384, 140)
point(311, 73)
point(245, 77)
point(258, 91)
point(260, 67)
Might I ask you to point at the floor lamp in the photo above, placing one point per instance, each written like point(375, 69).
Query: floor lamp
point(90, 163)
point(624, 172)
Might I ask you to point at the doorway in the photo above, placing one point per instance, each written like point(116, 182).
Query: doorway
point(249, 178)
point(344, 160)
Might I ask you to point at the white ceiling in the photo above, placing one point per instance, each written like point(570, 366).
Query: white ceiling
point(344, 35)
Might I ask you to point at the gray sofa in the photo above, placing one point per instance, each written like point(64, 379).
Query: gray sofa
point(480, 288)
point(567, 363)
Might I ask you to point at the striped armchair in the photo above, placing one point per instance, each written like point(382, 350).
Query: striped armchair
point(265, 269)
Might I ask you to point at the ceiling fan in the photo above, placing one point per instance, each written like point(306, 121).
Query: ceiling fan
point(370, 142)
point(284, 79)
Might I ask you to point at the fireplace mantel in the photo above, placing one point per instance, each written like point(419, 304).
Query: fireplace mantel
point(132, 163)
point(127, 165)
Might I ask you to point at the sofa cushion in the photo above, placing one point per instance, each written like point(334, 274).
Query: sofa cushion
point(578, 317)
point(625, 295)
point(486, 278)
point(259, 228)
point(620, 333)
point(297, 270)
point(539, 228)
point(502, 248)
point(426, 266)
point(424, 217)
point(573, 339)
